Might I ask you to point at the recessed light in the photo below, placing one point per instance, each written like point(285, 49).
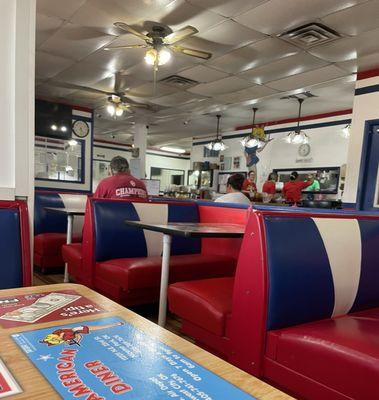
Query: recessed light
point(173, 149)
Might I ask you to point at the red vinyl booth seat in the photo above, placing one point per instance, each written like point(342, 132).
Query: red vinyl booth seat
point(206, 303)
point(73, 256)
point(331, 350)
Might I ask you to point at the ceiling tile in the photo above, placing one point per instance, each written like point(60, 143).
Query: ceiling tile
point(58, 8)
point(360, 64)
point(251, 93)
point(225, 85)
point(82, 74)
point(355, 20)
point(284, 67)
point(48, 65)
point(274, 17)
point(254, 55)
point(203, 74)
point(228, 8)
point(101, 15)
point(231, 34)
point(182, 13)
point(46, 27)
point(51, 92)
point(75, 42)
point(147, 90)
point(349, 48)
point(307, 78)
point(172, 100)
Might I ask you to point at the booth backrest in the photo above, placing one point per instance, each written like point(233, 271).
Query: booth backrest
point(15, 270)
point(50, 222)
point(320, 267)
point(114, 239)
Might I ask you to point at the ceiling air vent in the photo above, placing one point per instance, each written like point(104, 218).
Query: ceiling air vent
point(179, 82)
point(302, 95)
point(310, 35)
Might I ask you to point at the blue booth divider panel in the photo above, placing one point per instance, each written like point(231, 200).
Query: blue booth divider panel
point(10, 249)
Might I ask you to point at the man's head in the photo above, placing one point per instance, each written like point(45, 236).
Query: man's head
point(251, 176)
point(294, 176)
point(235, 183)
point(119, 164)
point(273, 176)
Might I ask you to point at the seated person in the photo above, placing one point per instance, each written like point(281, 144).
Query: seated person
point(120, 184)
point(249, 187)
point(269, 186)
point(233, 188)
point(292, 189)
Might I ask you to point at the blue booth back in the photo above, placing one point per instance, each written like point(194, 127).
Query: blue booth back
point(10, 249)
point(114, 239)
point(45, 221)
point(320, 267)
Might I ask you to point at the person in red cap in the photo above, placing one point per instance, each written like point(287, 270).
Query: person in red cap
point(121, 184)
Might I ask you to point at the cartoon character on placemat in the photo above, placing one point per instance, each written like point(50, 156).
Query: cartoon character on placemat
point(73, 336)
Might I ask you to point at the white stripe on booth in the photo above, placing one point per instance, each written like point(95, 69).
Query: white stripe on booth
point(155, 214)
point(77, 202)
point(342, 240)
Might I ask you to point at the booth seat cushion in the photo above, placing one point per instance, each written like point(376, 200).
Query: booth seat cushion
point(145, 272)
point(50, 244)
point(206, 303)
point(341, 353)
point(72, 254)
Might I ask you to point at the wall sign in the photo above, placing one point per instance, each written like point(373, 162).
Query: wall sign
point(110, 359)
point(44, 307)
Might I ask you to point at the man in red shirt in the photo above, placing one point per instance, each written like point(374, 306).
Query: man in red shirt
point(269, 186)
point(249, 187)
point(292, 189)
point(120, 184)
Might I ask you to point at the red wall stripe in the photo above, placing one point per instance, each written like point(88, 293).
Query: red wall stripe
point(305, 118)
point(368, 74)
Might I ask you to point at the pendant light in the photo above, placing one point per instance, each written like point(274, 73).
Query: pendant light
point(217, 144)
point(255, 137)
point(298, 136)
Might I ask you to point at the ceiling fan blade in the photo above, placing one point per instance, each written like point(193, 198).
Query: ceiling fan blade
point(192, 52)
point(131, 30)
point(78, 87)
point(131, 46)
point(180, 35)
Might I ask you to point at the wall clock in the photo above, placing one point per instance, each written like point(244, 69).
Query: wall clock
point(80, 128)
point(304, 149)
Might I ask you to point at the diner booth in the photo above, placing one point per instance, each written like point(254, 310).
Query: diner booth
point(183, 294)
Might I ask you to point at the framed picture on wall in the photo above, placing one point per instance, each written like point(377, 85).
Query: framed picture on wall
point(222, 167)
point(221, 158)
point(236, 162)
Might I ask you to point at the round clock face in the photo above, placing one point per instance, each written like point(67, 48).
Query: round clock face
point(80, 128)
point(304, 150)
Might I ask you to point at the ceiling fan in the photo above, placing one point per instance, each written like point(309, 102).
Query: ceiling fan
point(117, 102)
point(159, 42)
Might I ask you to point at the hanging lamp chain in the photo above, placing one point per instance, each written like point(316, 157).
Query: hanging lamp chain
point(255, 109)
point(299, 115)
point(218, 125)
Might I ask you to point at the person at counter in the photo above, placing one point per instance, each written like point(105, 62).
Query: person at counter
point(249, 187)
point(292, 189)
point(121, 184)
point(234, 191)
point(269, 186)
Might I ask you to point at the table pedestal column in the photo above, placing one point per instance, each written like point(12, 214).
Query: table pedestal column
point(164, 279)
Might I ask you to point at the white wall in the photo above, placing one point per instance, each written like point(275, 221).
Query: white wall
point(328, 148)
point(105, 152)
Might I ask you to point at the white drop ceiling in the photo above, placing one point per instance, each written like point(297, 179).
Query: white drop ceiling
point(251, 64)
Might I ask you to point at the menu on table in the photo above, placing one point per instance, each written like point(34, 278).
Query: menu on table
point(8, 385)
point(109, 358)
point(44, 307)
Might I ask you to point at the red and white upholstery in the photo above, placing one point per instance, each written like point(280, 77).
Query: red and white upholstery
point(124, 262)
point(50, 228)
point(304, 313)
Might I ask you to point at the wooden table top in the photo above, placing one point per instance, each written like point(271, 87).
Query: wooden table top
point(35, 386)
point(193, 229)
